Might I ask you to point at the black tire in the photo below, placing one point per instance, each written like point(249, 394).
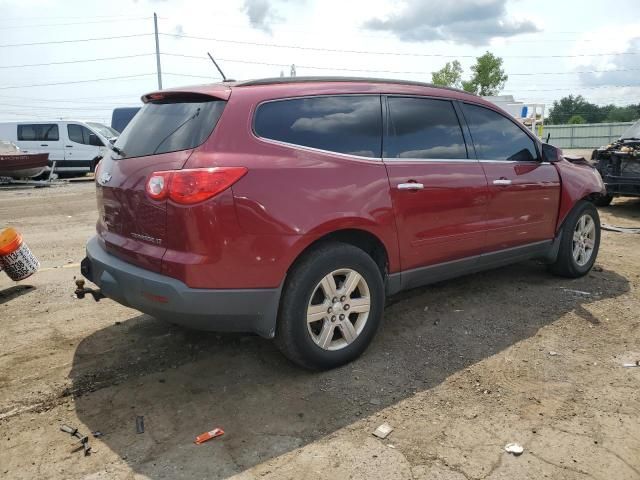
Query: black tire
point(566, 265)
point(292, 334)
point(603, 200)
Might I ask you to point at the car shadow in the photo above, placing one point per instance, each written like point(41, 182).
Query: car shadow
point(185, 383)
point(7, 294)
point(627, 208)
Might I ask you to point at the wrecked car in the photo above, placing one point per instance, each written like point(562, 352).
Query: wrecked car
point(619, 166)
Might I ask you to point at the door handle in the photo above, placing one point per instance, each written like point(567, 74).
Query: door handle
point(502, 181)
point(69, 146)
point(44, 144)
point(410, 186)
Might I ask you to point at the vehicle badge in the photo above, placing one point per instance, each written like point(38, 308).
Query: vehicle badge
point(105, 178)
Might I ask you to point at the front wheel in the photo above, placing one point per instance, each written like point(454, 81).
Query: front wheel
point(331, 308)
point(580, 242)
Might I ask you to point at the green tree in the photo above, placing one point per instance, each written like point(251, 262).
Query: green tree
point(448, 76)
point(565, 108)
point(576, 120)
point(629, 113)
point(488, 76)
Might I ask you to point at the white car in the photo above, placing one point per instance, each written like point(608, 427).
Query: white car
point(74, 146)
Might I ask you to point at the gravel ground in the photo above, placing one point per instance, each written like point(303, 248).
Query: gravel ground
point(459, 369)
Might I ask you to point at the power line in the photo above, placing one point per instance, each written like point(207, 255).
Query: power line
point(48, 107)
point(52, 100)
point(76, 61)
point(11, 19)
point(74, 23)
point(313, 67)
point(369, 52)
point(77, 81)
point(310, 67)
point(75, 40)
point(570, 88)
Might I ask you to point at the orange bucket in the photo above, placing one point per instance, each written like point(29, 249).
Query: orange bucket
point(15, 257)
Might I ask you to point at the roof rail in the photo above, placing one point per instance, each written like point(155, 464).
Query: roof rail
point(309, 79)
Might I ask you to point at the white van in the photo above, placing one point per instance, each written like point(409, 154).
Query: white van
point(75, 146)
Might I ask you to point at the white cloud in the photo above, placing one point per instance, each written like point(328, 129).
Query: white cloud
point(463, 21)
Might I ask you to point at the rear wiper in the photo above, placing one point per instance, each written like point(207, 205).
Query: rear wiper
point(197, 112)
point(118, 150)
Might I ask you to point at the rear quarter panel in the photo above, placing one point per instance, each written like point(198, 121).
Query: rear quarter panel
point(578, 182)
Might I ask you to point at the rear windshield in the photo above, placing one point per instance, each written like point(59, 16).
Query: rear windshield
point(169, 126)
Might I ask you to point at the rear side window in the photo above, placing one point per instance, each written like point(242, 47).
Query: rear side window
point(423, 128)
point(169, 126)
point(78, 134)
point(342, 124)
point(496, 137)
point(38, 132)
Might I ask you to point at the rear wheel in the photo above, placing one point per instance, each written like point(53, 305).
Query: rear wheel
point(331, 307)
point(580, 242)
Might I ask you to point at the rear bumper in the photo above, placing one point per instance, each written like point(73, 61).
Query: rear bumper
point(233, 310)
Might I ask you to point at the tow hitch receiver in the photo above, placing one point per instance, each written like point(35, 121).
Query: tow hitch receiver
point(81, 291)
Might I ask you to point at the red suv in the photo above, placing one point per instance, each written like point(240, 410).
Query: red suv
point(292, 207)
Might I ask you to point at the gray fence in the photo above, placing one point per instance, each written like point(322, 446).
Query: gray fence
point(587, 135)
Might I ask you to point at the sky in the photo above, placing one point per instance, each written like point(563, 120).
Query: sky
point(550, 48)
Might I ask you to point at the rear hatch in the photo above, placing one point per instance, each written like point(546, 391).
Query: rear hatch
point(162, 136)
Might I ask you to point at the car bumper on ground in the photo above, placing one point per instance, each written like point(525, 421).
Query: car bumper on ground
point(232, 310)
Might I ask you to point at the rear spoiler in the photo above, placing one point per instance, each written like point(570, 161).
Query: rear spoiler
point(205, 93)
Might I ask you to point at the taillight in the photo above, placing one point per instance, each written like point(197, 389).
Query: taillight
point(187, 187)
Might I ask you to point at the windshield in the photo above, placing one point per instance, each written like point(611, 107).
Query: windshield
point(169, 126)
point(103, 130)
point(632, 132)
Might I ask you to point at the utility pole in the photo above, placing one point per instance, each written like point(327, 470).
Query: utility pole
point(155, 26)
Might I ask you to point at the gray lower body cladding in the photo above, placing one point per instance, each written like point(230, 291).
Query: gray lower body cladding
point(224, 310)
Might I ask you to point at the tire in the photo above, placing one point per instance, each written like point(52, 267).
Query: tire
point(603, 200)
point(567, 263)
point(323, 344)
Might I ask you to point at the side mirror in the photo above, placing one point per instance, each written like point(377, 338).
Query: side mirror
point(95, 141)
point(551, 154)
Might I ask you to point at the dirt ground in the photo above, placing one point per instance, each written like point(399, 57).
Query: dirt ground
point(459, 369)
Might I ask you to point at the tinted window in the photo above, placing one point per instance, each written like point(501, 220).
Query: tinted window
point(343, 124)
point(169, 126)
point(496, 137)
point(38, 132)
point(423, 128)
point(79, 134)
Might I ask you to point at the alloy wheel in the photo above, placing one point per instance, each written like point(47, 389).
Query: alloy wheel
point(338, 309)
point(584, 239)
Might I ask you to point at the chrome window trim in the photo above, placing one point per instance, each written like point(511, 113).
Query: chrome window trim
point(433, 160)
point(315, 150)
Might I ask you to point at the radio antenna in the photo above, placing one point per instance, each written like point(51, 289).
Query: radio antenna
point(224, 78)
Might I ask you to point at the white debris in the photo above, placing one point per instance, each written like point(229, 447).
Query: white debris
point(514, 448)
point(578, 292)
point(553, 354)
point(383, 430)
